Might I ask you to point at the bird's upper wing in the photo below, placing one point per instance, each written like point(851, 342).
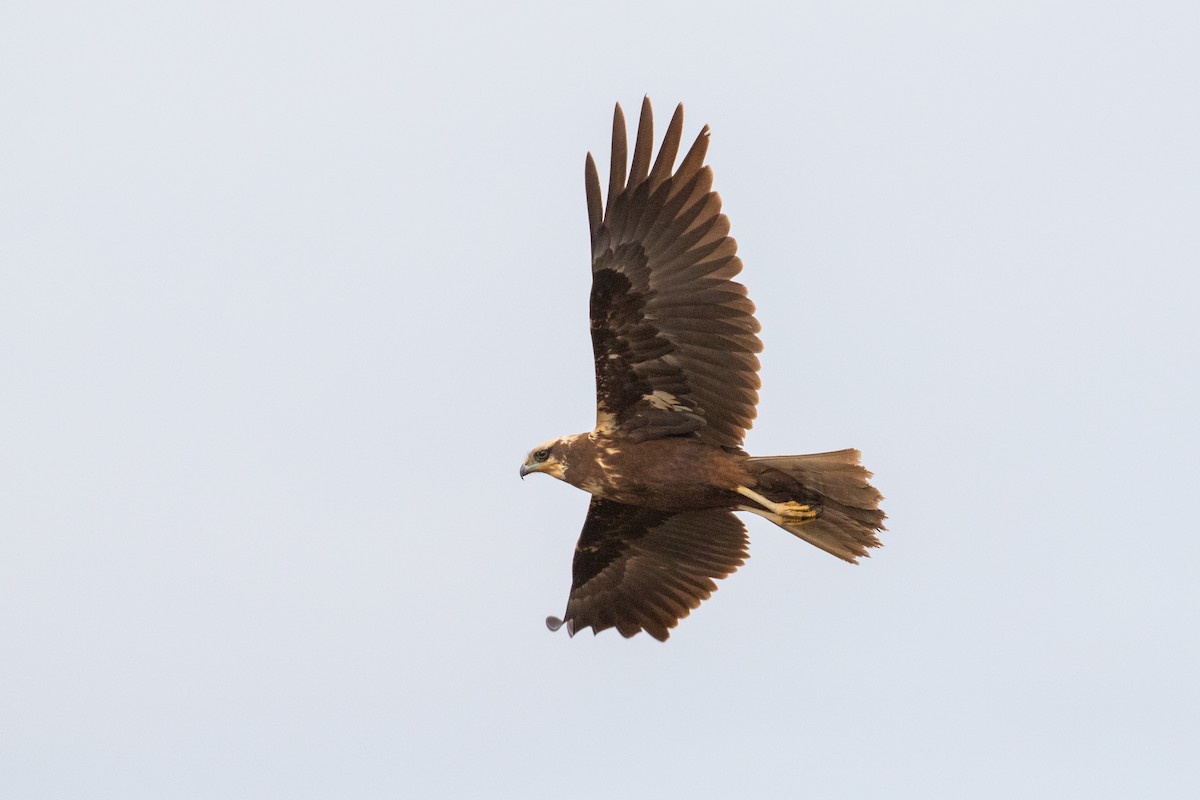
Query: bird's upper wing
point(674, 337)
point(639, 569)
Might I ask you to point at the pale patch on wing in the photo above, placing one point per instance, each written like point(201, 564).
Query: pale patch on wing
point(665, 401)
point(606, 421)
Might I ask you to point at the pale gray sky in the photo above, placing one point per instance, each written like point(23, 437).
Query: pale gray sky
point(288, 290)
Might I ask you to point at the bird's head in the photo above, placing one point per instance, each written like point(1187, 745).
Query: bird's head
point(549, 457)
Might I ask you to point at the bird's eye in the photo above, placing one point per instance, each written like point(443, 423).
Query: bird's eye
point(541, 455)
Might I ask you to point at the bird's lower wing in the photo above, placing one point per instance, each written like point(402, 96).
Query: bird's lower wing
point(639, 569)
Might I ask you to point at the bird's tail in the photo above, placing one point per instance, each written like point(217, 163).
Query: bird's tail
point(837, 486)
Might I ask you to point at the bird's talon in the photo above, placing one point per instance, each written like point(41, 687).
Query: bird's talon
point(793, 512)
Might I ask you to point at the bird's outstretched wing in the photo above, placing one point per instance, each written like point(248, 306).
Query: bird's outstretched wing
point(674, 337)
point(639, 569)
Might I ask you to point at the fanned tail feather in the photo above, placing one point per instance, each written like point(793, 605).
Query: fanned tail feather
point(836, 483)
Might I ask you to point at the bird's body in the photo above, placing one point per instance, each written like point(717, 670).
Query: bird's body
point(675, 343)
point(674, 474)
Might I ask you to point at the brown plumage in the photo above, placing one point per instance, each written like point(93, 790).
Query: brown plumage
point(674, 340)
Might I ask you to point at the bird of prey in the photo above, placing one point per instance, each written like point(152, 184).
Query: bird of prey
point(674, 340)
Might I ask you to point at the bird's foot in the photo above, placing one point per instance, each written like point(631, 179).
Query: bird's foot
point(793, 513)
point(789, 513)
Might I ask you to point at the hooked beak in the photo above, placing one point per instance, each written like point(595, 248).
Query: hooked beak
point(525, 471)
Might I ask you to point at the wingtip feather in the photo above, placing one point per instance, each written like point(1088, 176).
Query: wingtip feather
point(643, 146)
point(669, 149)
point(619, 158)
point(595, 205)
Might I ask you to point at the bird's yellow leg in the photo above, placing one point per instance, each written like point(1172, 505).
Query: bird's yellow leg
point(762, 512)
point(789, 513)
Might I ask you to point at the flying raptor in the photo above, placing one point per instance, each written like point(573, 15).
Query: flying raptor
point(674, 339)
